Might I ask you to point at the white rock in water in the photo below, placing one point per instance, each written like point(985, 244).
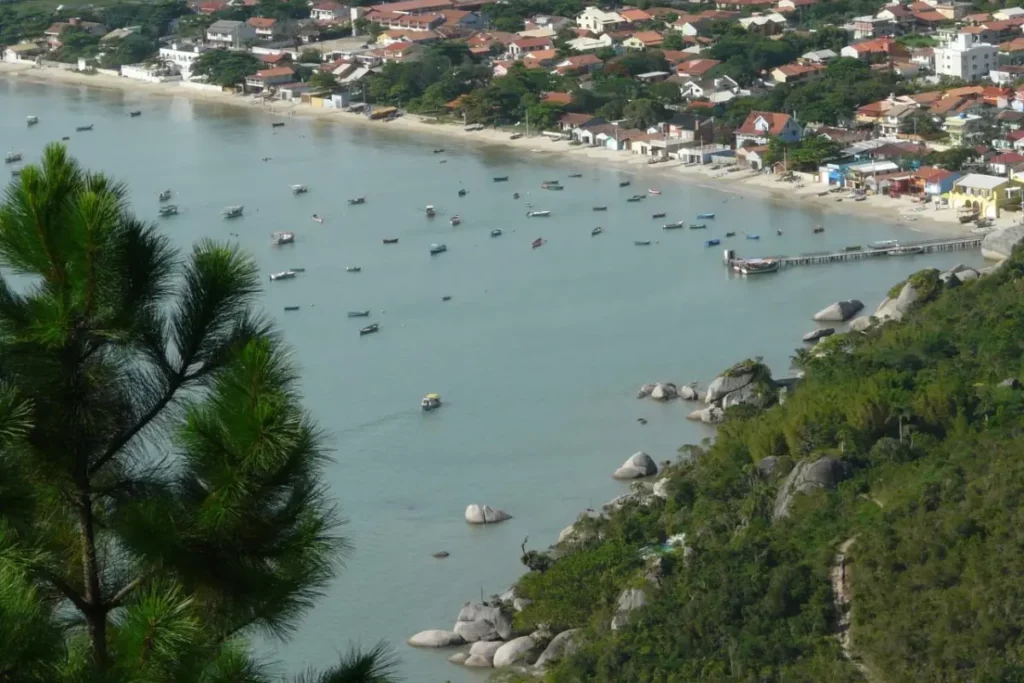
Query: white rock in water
point(840, 311)
point(485, 514)
point(815, 335)
point(513, 652)
point(710, 415)
point(485, 650)
point(645, 391)
point(639, 465)
point(664, 391)
point(726, 384)
point(459, 658)
point(688, 393)
point(999, 244)
point(477, 661)
point(477, 621)
point(436, 638)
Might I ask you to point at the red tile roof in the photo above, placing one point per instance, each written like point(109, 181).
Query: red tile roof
point(796, 70)
point(415, 5)
point(262, 22)
point(1007, 158)
point(527, 43)
point(276, 71)
point(776, 123)
point(697, 67)
point(649, 37)
point(557, 98)
point(930, 17)
point(635, 15)
point(930, 174)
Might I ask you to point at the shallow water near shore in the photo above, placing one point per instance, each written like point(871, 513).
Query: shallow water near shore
point(537, 355)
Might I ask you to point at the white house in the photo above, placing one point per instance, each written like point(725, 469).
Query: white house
point(965, 57)
point(328, 12)
point(182, 56)
point(227, 33)
point(597, 20)
point(586, 44)
point(21, 51)
point(761, 126)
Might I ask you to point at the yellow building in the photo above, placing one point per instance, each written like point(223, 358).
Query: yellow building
point(985, 195)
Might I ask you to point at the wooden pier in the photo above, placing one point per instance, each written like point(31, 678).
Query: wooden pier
point(821, 258)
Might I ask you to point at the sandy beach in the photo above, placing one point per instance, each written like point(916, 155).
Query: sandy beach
point(803, 191)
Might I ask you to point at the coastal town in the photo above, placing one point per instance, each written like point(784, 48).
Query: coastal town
point(916, 102)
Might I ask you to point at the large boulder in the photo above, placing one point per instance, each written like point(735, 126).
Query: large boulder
point(480, 621)
point(861, 324)
point(766, 466)
point(820, 333)
point(999, 244)
point(459, 658)
point(664, 391)
point(629, 600)
point(476, 661)
point(483, 652)
point(515, 651)
point(485, 514)
point(639, 493)
point(723, 385)
point(748, 395)
point(688, 393)
point(572, 534)
point(807, 476)
point(436, 638)
point(560, 647)
point(638, 465)
point(645, 391)
point(839, 312)
point(711, 415)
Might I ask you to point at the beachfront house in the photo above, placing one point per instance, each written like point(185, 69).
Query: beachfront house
point(22, 52)
point(268, 78)
point(182, 56)
point(268, 28)
point(985, 195)
point(761, 126)
point(933, 182)
point(229, 33)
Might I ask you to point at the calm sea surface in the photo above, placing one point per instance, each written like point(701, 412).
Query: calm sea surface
point(538, 354)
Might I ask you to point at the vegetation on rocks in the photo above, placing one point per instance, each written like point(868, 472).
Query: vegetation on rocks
point(927, 441)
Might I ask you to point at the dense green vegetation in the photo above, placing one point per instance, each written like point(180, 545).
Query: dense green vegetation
point(928, 438)
point(161, 495)
point(226, 67)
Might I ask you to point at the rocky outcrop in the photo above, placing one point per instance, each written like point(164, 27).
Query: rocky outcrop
point(660, 489)
point(861, 324)
point(485, 514)
point(637, 466)
point(999, 244)
point(723, 385)
point(481, 654)
point(766, 466)
point(688, 393)
point(820, 333)
point(516, 651)
point(1010, 383)
point(436, 638)
point(560, 647)
point(645, 391)
point(711, 415)
point(629, 600)
point(480, 621)
point(459, 658)
point(572, 533)
point(639, 493)
point(839, 312)
point(664, 391)
point(896, 308)
point(807, 476)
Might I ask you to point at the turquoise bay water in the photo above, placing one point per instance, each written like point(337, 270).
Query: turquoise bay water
point(538, 354)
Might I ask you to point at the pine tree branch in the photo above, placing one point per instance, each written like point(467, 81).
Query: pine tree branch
point(121, 440)
point(65, 589)
point(120, 596)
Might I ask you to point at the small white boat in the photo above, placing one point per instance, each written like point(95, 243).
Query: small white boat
point(280, 238)
point(757, 266)
point(12, 157)
point(436, 249)
point(165, 195)
point(496, 233)
point(430, 211)
point(32, 120)
point(354, 269)
point(906, 251)
point(431, 402)
point(168, 210)
point(654, 192)
point(299, 189)
point(233, 211)
point(884, 244)
point(705, 215)
point(538, 214)
point(283, 275)
point(455, 220)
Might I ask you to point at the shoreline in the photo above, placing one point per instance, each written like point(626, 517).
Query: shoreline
point(741, 183)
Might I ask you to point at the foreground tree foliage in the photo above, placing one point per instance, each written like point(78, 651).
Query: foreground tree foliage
point(159, 478)
point(927, 430)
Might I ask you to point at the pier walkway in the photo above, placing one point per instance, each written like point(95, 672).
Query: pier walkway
point(859, 253)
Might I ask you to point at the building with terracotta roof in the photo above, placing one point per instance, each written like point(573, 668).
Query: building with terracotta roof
point(643, 40)
point(932, 181)
point(267, 78)
point(741, 5)
point(415, 6)
point(579, 64)
point(875, 50)
point(558, 99)
point(793, 73)
point(762, 126)
point(696, 68)
point(521, 46)
point(633, 15)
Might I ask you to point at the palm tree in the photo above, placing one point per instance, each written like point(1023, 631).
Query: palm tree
point(160, 494)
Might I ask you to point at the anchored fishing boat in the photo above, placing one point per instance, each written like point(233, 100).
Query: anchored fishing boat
point(134, 114)
point(430, 211)
point(730, 234)
point(12, 157)
point(299, 189)
point(672, 226)
point(357, 200)
point(658, 215)
point(359, 314)
point(354, 269)
point(537, 243)
point(705, 216)
point(233, 211)
point(436, 249)
point(624, 183)
point(390, 240)
point(32, 120)
point(165, 195)
point(600, 208)
point(283, 275)
point(756, 266)
point(496, 233)
point(279, 238)
point(698, 226)
point(501, 179)
point(575, 175)
point(431, 402)
point(538, 214)
point(642, 243)
point(277, 124)
point(654, 192)
point(168, 210)
point(462, 193)
point(712, 243)
point(369, 329)
point(82, 129)
point(455, 220)
point(317, 218)
point(596, 231)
